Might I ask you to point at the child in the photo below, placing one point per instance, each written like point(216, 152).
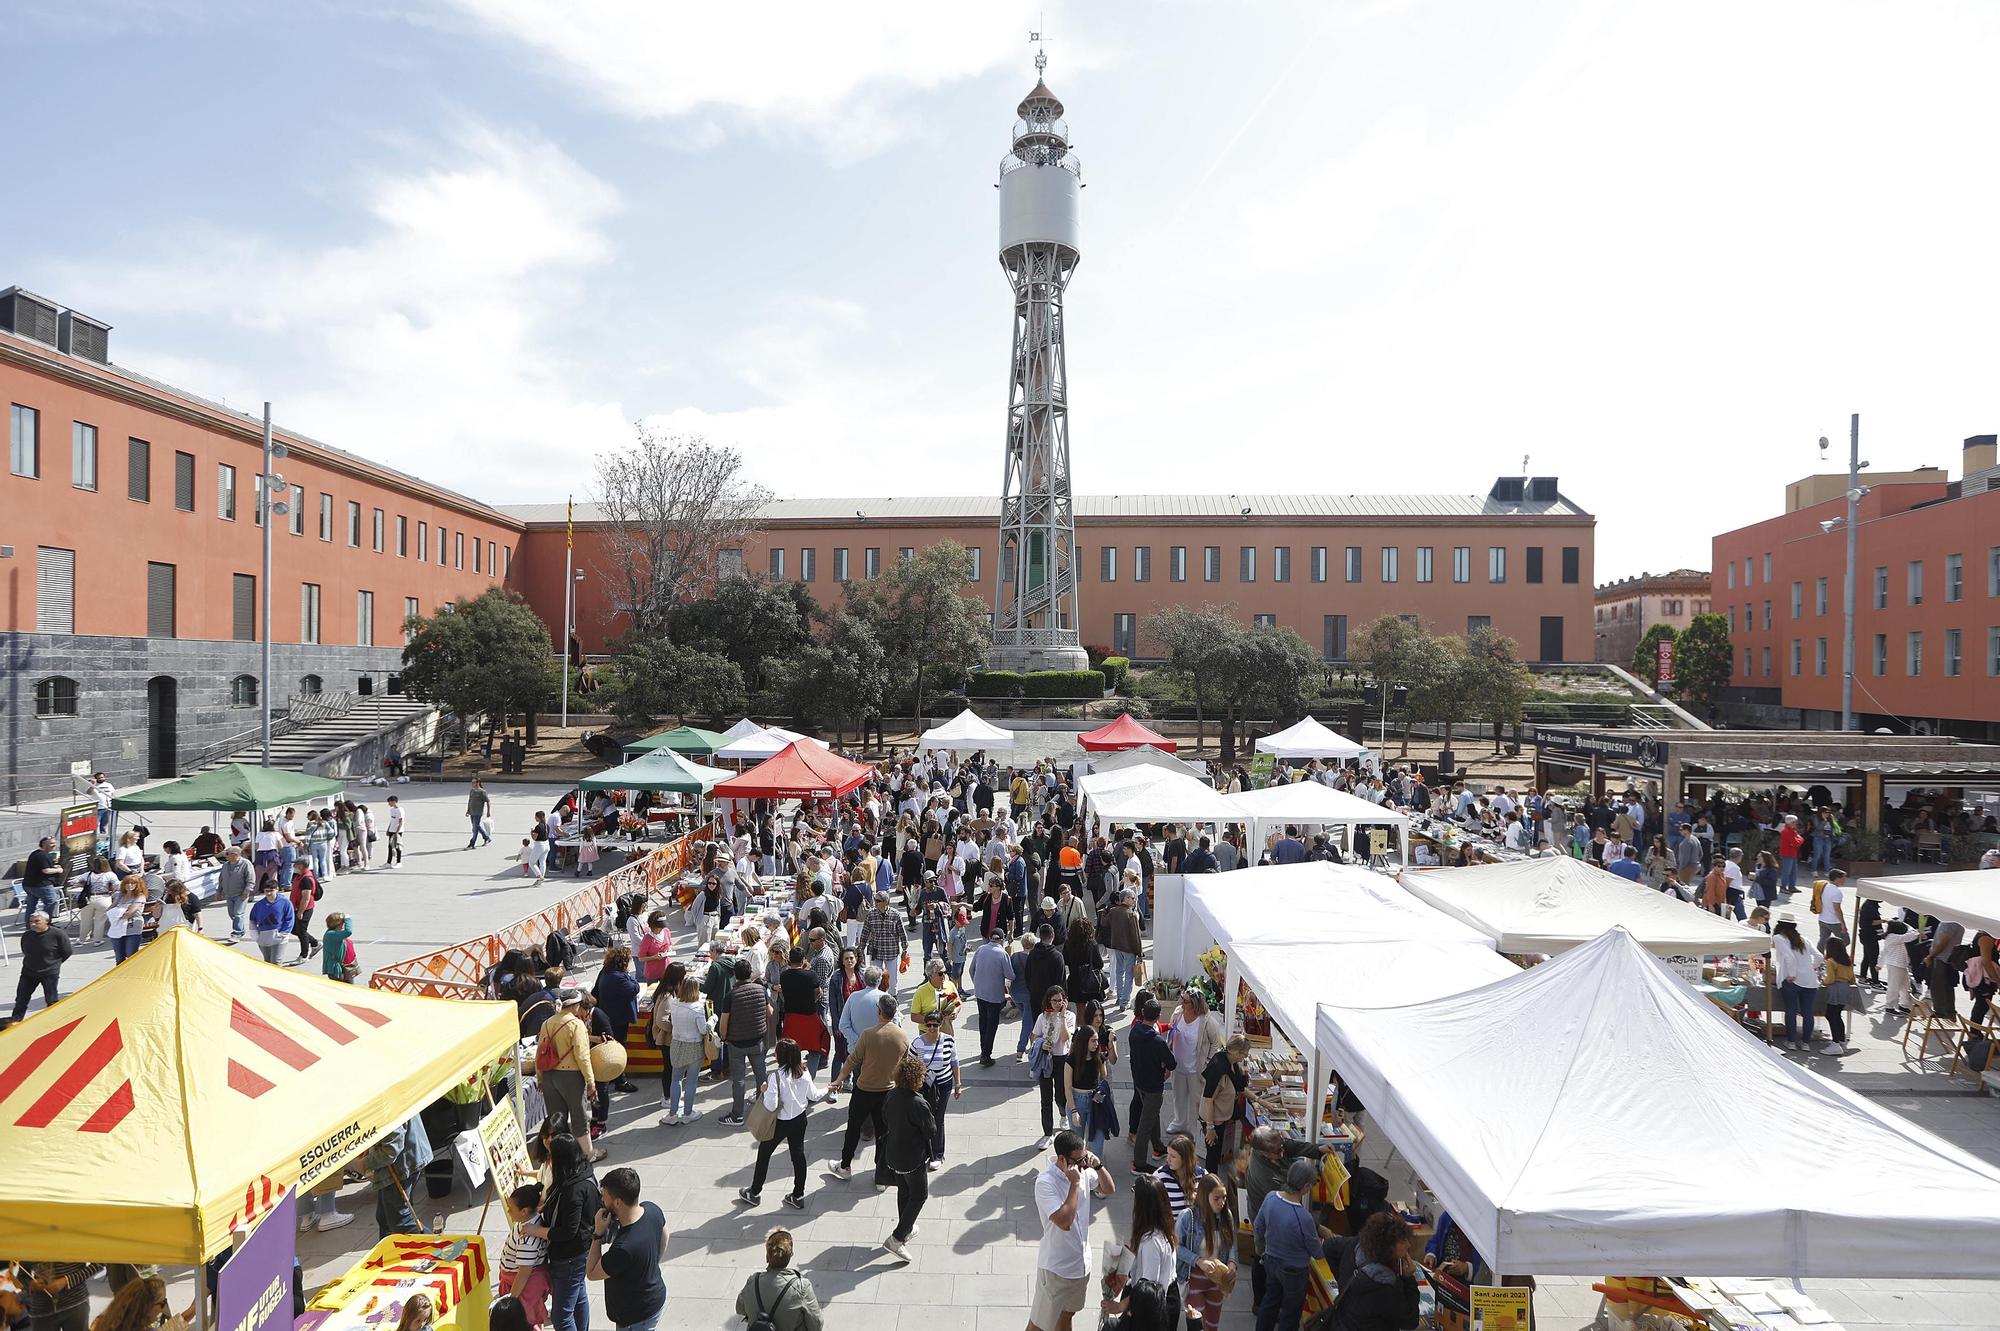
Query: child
point(1896, 961)
point(524, 1256)
point(527, 858)
point(586, 854)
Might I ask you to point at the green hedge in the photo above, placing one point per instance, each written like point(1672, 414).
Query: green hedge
point(994, 684)
point(1116, 669)
point(1063, 684)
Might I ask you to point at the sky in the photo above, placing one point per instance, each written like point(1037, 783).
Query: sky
point(1657, 249)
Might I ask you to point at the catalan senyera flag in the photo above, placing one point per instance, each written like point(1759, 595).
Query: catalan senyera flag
point(181, 1093)
point(569, 525)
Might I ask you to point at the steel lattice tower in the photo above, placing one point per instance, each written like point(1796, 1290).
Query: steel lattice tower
point(1035, 624)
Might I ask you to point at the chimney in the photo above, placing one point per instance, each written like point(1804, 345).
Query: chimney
point(1980, 453)
point(25, 314)
point(84, 337)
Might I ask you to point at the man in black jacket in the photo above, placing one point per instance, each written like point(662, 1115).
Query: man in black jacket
point(1045, 971)
point(43, 951)
point(1152, 1062)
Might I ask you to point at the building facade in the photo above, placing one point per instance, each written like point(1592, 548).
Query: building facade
point(1926, 606)
point(131, 551)
point(1628, 607)
point(1517, 559)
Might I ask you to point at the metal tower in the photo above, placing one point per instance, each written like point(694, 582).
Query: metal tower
point(1035, 625)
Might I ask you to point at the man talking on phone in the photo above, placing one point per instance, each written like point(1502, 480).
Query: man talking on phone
point(1063, 1195)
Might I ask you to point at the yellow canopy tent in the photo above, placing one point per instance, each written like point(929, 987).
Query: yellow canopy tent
point(185, 1090)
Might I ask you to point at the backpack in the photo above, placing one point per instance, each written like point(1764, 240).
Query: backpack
point(762, 1321)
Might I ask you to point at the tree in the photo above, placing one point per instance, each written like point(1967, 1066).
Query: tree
point(673, 502)
point(1494, 681)
point(1192, 636)
point(1259, 670)
point(486, 655)
point(653, 676)
point(924, 621)
point(753, 621)
point(1402, 651)
point(838, 680)
point(1646, 656)
point(1703, 660)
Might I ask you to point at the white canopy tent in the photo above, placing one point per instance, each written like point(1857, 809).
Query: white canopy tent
point(1310, 739)
point(1119, 760)
point(967, 732)
point(1309, 803)
point(1970, 897)
point(743, 728)
point(1597, 1114)
point(1167, 797)
point(766, 743)
point(1554, 903)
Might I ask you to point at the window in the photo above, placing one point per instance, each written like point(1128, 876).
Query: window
point(243, 691)
point(906, 553)
point(1954, 578)
point(1798, 599)
point(443, 542)
point(1177, 563)
point(458, 549)
point(139, 470)
point(1107, 563)
point(871, 562)
point(1767, 616)
point(840, 564)
point(1573, 564)
point(507, 561)
point(1882, 589)
point(1746, 660)
point(1819, 656)
point(243, 606)
point(184, 482)
point(977, 563)
point(777, 564)
point(1246, 563)
point(1264, 621)
point(492, 560)
point(1730, 613)
point(1496, 563)
point(1993, 650)
point(1729, 575)
point(411, 614)
point(225, 492)
point(1281, 563)
point(1391, 557)
point(298, 510)
point(1916, 582)
point(1765, 655)
point(257, 499)
point(364, 619)
point(311, 686)
point(1952, 640)
point(309, 612)
point(55, 696)
point(1142, 563)
point(1477, 624)
point(1914, 654)
point(728, 563)
point(1881, 654)
point(378, 532)
point(160, 580)
point(423, 542)
point(326, 517)
point(1798, 658)
point(354, 524)
point(402, 537)
point(808, 565)
point(1333, 637)
point(1819, 596)
point(1993, 571)
point(1353, 563)
point(82, 455)
point(1319, 563)
point(1533, 571)
point(476, 568)
point(1424, 554)
point(55, 590)
point(1746, 570)
point(1124, 634)
point(1767, 566)
point(1211, 563)
point(24, 450)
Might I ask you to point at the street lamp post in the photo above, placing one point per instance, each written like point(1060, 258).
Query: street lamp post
point(269, 508)
point(1847, 592)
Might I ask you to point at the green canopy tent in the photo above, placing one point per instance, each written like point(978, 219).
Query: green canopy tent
point(662, 769)
point(681, 739)
point(232, 786)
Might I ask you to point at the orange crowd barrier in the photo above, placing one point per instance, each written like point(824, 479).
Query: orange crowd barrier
point(458, 971)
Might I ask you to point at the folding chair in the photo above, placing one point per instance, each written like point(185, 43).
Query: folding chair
point(1948, 1030)
point(1975, 1030)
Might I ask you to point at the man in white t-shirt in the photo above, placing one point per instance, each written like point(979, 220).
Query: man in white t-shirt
point(1063, 1194)
point(1831, 894)
point(395, 830)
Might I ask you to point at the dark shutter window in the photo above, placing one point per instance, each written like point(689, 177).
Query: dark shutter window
point(55, 590)
point(243, 587)
point(139, 470)
point(159, 600)
point(1572, 565)
point(1333, 637)
point(184, 482)
point(1534, 563)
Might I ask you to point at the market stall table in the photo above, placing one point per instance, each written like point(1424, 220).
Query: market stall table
point(450, 1269)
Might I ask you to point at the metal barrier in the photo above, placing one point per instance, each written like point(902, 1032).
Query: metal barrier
point(459, 971)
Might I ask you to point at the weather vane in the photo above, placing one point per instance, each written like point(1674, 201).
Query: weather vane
point(1041, 56)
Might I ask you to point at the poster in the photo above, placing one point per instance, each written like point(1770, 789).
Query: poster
point(77, 838)
point(254, 1291)
point(1688, 968)
point(1666, 646)
point(1261, 767)
point(506, 1148)
point(1378, 842)
point(1499, 1307)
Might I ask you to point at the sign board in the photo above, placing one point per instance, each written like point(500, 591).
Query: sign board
point(1378, 841)
point(1645, 751)
point(81, 769)
point(254, 1290)
point(1688, 968)
point(1666, 646)
point(1498, 1307)
point(1262, 765)
point(76, 838)
point(506, 1148)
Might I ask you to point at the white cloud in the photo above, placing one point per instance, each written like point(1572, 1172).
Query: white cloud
point(432, 343)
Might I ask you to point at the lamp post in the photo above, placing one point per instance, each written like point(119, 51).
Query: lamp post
point(269, 508)
point(1855, 489)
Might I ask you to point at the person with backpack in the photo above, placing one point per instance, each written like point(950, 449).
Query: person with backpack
point(779, 1298)
point(1289, 1238)
point(336, 949)
point(1375, 1277)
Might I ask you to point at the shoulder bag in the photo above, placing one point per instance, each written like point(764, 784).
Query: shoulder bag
point(761, 1123)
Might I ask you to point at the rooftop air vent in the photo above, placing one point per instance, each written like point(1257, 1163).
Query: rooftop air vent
point(84, 337)
point(25, 314)
point(1542, 489)
point(1508, 489)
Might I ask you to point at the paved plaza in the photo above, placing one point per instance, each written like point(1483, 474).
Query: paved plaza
point(974, 1249)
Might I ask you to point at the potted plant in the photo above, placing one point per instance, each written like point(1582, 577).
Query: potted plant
point(1863, 852)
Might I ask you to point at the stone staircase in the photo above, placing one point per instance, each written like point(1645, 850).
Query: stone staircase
point(293, 749)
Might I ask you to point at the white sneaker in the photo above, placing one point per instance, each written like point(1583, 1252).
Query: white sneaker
point(841, 1172)
point(305, 1221)
point(335, 1221)
point(1831, 1048)
point(1847, 1049)
point(895, 1246)
point(1044, 1143)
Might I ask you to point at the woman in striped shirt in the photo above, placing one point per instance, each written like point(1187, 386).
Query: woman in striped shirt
point(938, 1052)
point(1180, 1171)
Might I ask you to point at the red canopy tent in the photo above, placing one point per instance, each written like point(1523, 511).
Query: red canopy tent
point(1124, 733)
point(800, 770)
